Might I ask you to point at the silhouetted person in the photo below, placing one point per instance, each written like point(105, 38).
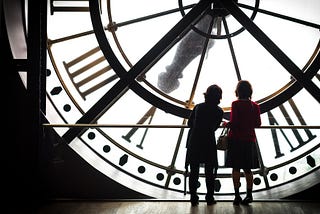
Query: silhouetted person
point(201, 145)
point(242, 149)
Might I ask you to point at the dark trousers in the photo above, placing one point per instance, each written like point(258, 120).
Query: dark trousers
point(194, 177)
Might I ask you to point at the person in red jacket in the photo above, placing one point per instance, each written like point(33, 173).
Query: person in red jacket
point(242, 149)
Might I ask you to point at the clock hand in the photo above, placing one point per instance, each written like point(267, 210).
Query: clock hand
point(235, 63)
point(127, 79)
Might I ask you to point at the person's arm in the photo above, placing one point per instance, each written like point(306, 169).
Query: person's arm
point(234, 117)
point(191, 117)
point(258, 118)
point(219, 119)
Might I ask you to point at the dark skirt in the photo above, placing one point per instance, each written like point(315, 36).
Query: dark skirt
point(242, 155)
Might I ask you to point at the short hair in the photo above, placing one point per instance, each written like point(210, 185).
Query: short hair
point(213, 94)
point(243, 89)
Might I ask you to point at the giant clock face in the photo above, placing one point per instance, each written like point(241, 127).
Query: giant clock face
point(124, 76)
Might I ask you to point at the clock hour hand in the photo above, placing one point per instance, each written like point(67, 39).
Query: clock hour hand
point(189, 48)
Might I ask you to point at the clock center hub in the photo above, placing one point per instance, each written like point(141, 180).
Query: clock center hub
point(217, 10)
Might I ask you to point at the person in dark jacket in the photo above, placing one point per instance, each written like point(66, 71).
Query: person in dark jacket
point(242, 149)
point(204, 120)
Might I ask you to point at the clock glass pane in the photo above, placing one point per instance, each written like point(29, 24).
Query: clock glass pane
point(142, 146)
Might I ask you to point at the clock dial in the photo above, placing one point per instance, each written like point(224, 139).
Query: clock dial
point(133, 80)
point(234, 60)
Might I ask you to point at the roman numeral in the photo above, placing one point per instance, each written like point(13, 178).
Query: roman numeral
point(148, 115)
point(296, 133)
point(93, 77)
point(69, 6)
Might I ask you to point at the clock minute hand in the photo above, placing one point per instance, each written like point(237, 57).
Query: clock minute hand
point(128, 78)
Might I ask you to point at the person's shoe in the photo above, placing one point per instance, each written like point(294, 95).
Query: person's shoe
point(247, 200)
point(210, 199)
point(194, 203)
point(237, 200)
point(211, 202)
point(194, 200)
